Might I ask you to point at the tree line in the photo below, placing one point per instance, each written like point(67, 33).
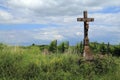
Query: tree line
point(96, 48)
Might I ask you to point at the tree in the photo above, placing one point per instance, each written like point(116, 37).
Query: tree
point(79, 47)
point(33, 44)
point(53, 46)
point(108, 48)
point(66, 45)
point(63, 47)
point(2, 46)
point(102, 48)
point(116, 51)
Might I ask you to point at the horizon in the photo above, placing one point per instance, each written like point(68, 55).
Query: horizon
point(24, 24)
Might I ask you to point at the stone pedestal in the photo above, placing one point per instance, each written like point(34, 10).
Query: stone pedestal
point(87, 53)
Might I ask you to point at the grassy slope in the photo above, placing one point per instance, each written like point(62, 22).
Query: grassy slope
point(30, 64)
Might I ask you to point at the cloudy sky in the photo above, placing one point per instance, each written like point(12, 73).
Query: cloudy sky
point(23, 22)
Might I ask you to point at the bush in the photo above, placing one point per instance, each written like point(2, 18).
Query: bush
point(116, 51)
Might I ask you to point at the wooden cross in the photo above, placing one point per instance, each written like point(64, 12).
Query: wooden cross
point(86, 21)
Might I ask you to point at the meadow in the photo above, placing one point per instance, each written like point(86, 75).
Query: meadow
point(30, 63)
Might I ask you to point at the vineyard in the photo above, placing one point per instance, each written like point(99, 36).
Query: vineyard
point(59, 62)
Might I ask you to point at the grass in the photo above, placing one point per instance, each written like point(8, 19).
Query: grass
point(18, 63)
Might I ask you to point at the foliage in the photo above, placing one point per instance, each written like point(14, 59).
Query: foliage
point(28, 63)
point(116, 51)
point(63, 47)
point(102, 48)
point(53, 46)
point(79, 48)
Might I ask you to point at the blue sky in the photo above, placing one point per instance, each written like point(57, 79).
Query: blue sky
point(23, 22)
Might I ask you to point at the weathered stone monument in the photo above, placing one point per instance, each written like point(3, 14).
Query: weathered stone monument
point(86, 53)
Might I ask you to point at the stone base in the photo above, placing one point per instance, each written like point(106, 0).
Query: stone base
point(87, 53)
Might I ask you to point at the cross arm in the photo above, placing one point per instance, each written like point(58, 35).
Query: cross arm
point(85, 19)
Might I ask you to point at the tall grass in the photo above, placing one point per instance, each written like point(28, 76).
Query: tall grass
point(17, 63)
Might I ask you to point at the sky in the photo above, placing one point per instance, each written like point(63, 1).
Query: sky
point(23, 22)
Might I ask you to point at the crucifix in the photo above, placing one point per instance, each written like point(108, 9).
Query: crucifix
point(86, 53)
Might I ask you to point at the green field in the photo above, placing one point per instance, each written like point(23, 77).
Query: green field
point(30, 63)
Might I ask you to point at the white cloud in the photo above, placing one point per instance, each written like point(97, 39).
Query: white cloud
point(106, 19)
point(41, 34)
point(79, 33)
point(49, 35)
point(60, 12)
point(105, 34)
point(59, 33)
point(70, 33)
point(56, 7)
point(14, 36)
point(47, 11)
point(5, 16)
